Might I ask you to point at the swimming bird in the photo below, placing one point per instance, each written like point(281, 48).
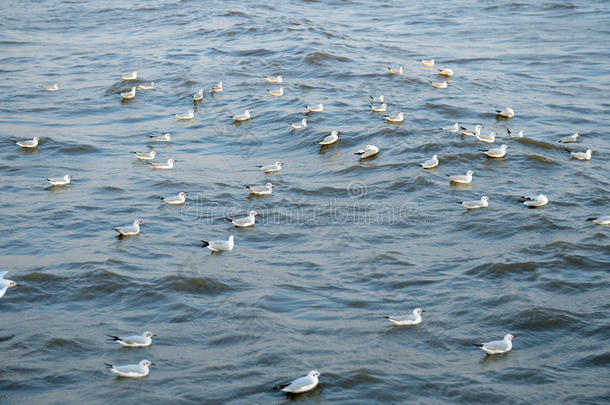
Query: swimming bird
point(368, 151)
point(533, 201)
point(301, 125)
point(128, 95)
point(475, 132)
point(430, 163)
point(276, 167)
point(330, 139)
point(147, 86)
point(168, 165)
point(491, 138)
point(518, 135)
point(198, 96)
point(471, 205)
point(244, 222)
point(507, 113)
point(242, 117)
point(397, 118)
point(581, 155)
point(382, 108)
point(143, 340)
point(54, 87)
point(315, 108)
point(445, 72)
point(132, 370)
point(428, 62)
point(130, 230)
point(145, 155)
point(275, 80)
point(605, 220)
point(301, 384)
point(496, 152)
point(5, 283)
point(398, 71)
point(164, 138)
point(219, 245)
point(463, 179)
point(570, 139)
point(176, 200)
point(267, 189)
point(218, 88)
point(379, 99)
point(60, 181)
point(130, 76)
point(441, 85)
point(498, 346)
point(276, 93)
point(189, 115)
point(30, 143)
point(413, 318)
point(455, 128)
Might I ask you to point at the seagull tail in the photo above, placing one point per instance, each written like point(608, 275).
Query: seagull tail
point(108, 365)
point(591, 219)
point(117, 230)
point(259, 166)
point(228, 219)
point(567, 150)
point(204, 243)
point(478, 344)
point(114, 338)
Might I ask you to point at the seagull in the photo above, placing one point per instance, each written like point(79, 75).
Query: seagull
point(605, 220)
point(397, 118)
point(471, 205)
point(145, 155)
point(428, 62)
point(301, 384)
point(130, 230)
point(445, 72)
point(275, 80)
point(129, 94)
point(132, 370)
point(276, 93)
point(189, 115)
point(242, 117)
point(302, 125)
point(398, 71)
point(164, 138)
point(475, 132)
point(276, 167)
point(218, 245)
point(143, 340)
point(382, 108)
point(455, 128)
point(218, 88)
point(244, 222)
point(54, 87)
point(462, 179)
point(407, 319)
point(510, 134)
point(198, 96)
point(581, 155)
point(267, 189)
point(30, 143)
point(368, 151)
point(430, 163)
point(498, 346)
point(60, 181)
point(441, 85)
point(315, 108)
point(491, 138)
point(147, 86)
point(496, 152)
point(569, 139)
point(131, 76)
point(507, 113)
point(168, 165)
point(5, 283)
point(330, 139)
point(176, 200)
point(379, 99)
point(533, 201)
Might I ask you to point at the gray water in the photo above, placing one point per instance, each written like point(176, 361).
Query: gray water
point(340, 243)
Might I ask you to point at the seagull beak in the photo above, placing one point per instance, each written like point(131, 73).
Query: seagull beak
point(423, 310)
point(152, 364)
point(154, 334)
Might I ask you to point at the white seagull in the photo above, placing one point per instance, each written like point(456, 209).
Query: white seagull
point(276, 93)
point(5, 283)
point(445, 72)
point(397, 118)
point(379, 99)
point(130, 76)
point(301, 384)
point(581, 155)
point(130, 230)
point(267, 189)
point(315, 108)
point(147, 86)
point(245, 221)
point(533, 201)
point(569, 139)
point(132, 370)
point(368, 151)
point(382, 108)
point(168, 165)
point(218, 245)
point(464, 179)
point(476, 131)
point(176, 200)
point(276, 167)
point(518, 135)
point(218, 88)
point(30, 143)
point(60, 181)
point(413, 318)
point(605, 220)
point(164, 138)
point(129, 94)
point(471, 205)
point(441, 85)
point(242, 117)
point(275, 80)
point(430, 163)
point(143, 340)
point(491, 138)
point(189, 115)
point(198, 96)
point(496, 152)
point(398, 71)
point(428, 62)
point(54, 87)
point(145, 155)
point(301, 125)
point(507, 113)
point(498, 346)
point(330, 139)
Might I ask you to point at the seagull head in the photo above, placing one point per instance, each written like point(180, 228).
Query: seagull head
point(8, 283)
point(470, 172)
point(171, 161)
point(153, 153)
point(509, 337)
point(435, 157)
point(314, 374)
point(280, 164)
point(148, 334)
point(146, 363)
point(418, 311)
point(335, 133)
point(68, 177)
point(35, 139)
point(253, 213)
point(182, 194)
point(485, 198)
point(138, 221)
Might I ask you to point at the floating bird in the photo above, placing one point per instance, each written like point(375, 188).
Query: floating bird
point(301, 125)
point(242, 117)
point(475, 132)
point(176, 200)
point(471, 205)
point(145, 155)
point(462, 179)
point(267, 189)
point(132, 370)
point(189, 115)
point(382, 108)
point(198, 96)
point(30, 143)
point(397, 118)
point(218, 88)
point(518, 135)
point(131, 76)
point(368, 151)
point(219, 245)
point(455, 128)
point(244, 222)
point(379, 99)
point(168, 165)
point(491, 138)
point(147, 86)
point(315, 108)
point(407, 319)
point(60, 181)
point(441, 85)
point(5, 283)
point(275, 80)
point(330, 139)
point(301, 384)
point(130, 230)
point(276, 167)
point(581, 155)
point(398, 71)
point(605, 220)
point(498, 346)
point(445, 72)
point(276, 93)
point(569, 139)
point(164, 138)
point(54, 87)
point(143, 340)
point(430, 163)
point(428, 62)
point(128, 95)
point(533, 201)
point(496, 152)
point(507, 113)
